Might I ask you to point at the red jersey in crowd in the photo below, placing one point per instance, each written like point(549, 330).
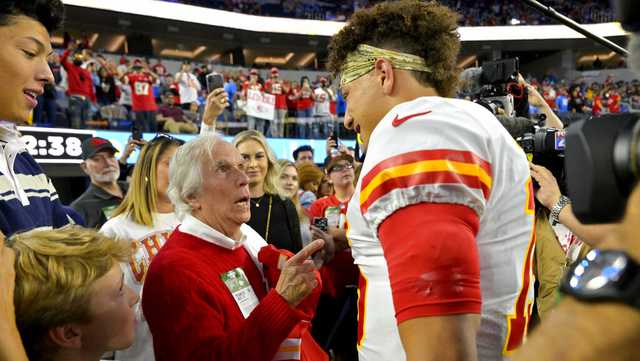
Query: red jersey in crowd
point(597, 105)
point(142, 99)
point(247, 85)
point(340, 271)
point(275, 88)
point(614, 103)
point(79, 79)
point(305, 98)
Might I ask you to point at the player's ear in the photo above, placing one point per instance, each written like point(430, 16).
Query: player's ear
point(384, 74)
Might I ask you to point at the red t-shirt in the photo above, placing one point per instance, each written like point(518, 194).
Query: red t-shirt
point(142, 99)
point(614, 103)
point(78, 79)
point(305, 100)
point(275, 88)
point(247, 85)
point(597, 105)
point(292, 102)
point(340, 271)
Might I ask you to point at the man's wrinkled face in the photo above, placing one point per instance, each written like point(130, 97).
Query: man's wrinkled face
point(102, 167)
point(24, 70)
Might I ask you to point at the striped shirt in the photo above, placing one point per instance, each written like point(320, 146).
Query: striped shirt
point(28, 199)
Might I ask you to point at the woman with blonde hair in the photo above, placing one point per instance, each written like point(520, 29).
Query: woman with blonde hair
point(290, 186)
point(273, 216)
point(146, 216)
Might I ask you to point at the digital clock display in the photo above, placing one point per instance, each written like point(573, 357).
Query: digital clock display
point(54, 145)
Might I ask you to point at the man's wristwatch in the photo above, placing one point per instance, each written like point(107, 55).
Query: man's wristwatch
point(604, 276)
point(557, 208)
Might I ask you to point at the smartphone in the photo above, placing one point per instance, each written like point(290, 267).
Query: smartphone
point(136, 133)
point(214, 81)
point(334, 149)
point(322, 223)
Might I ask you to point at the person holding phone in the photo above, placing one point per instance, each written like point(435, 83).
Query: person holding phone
point(143, 103)
point(188, 86)
point(323, 122)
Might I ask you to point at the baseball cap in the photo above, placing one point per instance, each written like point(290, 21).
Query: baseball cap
point(338, 159)
point(254, 72)
point(94, 145)
point(274, 70)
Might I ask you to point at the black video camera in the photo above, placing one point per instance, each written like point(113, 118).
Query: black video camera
point(603, 165)
point(495, 87)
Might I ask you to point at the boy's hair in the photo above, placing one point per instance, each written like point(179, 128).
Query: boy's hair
point(427, 30)
point(55, 272)
point(302, 148)
point(50, 13)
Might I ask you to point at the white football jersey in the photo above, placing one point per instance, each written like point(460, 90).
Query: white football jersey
point(439, 150)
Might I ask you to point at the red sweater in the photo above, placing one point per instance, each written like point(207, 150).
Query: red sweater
point(79, 79)
point(193, 316)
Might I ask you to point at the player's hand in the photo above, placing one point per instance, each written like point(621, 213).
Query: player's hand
point(298, 278)
point(549, 192)
point(217, 100)
point(329, 250)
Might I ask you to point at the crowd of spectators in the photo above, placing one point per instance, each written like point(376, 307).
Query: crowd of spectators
point(91, 91)
point(474, 13)
point(590, 98)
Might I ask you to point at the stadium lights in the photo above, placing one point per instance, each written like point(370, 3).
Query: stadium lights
point(306, 60)
point(266, 24)
point(93, 39)
point(273, 59)
point(177, 53)
point(116, 43)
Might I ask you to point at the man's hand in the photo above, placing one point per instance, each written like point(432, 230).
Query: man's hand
point(217, 100)
point(298, 278)
point(549, 192)
point(329, 249)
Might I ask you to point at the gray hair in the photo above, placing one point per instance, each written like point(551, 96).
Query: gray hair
point(186, 171)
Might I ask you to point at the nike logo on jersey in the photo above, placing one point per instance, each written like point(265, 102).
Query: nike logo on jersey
point(398, 121)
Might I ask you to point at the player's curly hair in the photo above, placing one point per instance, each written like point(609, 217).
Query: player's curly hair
point(426, 29)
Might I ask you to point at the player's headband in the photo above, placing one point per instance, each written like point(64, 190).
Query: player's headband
point(363, 59)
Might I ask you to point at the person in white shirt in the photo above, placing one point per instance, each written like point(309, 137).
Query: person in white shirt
point(189, 86)
point(323, 118)
point(146, 216)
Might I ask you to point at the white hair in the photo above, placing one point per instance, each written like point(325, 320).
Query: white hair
point(186, 171)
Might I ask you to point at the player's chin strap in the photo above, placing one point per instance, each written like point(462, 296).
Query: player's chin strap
point(363, 59)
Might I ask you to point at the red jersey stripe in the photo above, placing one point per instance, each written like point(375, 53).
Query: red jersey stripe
point(421, 155)
point(422, 179)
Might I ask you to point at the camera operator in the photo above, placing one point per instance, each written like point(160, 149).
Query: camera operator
point(537, 100)
point(561, 212)
point(600, 320)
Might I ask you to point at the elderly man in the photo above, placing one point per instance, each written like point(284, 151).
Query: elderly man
point(105, 193)
point(205, 296)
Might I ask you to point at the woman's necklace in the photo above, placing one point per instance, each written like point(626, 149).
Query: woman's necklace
point(257, 203)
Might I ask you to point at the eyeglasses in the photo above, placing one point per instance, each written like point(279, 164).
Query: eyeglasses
point(341, 167)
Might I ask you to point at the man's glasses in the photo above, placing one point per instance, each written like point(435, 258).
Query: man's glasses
point(341, 167)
